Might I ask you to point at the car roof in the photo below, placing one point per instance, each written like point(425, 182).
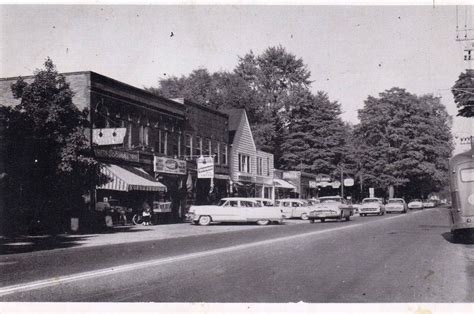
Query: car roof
point(335, 196)
point(239, 199)
point(291, 200)
point(396, 199)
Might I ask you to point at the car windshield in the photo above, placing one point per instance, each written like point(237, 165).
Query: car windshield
point(395, 201)
point(370, 200)
point(330, 200)
point(416, 200)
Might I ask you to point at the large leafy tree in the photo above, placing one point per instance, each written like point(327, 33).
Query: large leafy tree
point(264, 85)
point(316, 139)
point(463, 92)
point(48, 154)
point(404, 141)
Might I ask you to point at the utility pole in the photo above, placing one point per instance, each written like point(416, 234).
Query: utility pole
point(342, 180)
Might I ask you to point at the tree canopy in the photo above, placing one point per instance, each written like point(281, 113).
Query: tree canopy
point(48, 154)
point(463, 92)
point(405, 142)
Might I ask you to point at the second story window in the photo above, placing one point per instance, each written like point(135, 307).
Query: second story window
point(188, 145)
point(143, 135)
point(217, 153)
point(268, 166)
point(206, 150)
point(244, 163)
point(162, 143)
point(259, 166)
point(198, 147)
point(224, 154)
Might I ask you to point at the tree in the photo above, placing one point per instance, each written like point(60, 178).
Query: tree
point(316, 139)
point(463, 92)
point(49, 157)
point(405, 142)
point(263, 85)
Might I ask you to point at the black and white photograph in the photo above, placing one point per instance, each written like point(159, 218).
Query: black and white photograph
point(244, 157)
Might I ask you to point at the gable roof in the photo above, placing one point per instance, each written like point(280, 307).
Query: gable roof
point(235, 116)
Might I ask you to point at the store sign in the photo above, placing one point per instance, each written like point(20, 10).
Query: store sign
point(348, 182)
point(169, 165)
point(108, 136)
point(117, 154)
point(323, 178)
point(336, 184)
point(205, 167)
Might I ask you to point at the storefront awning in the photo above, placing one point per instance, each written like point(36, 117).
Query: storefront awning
point(282, 184)
point(126, 178)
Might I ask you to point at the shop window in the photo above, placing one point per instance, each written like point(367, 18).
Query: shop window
point(259, 166)
point(188, 145)
point(198, 148)
point(244, 163)
point(267, 192)
point(224, 155)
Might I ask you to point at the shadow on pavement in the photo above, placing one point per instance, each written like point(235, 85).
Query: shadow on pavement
point(461, 238)
point(26, 244)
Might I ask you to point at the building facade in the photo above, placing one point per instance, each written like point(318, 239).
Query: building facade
point(251, 170)
point(206, 134)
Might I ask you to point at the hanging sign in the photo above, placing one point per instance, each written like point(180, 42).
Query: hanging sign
point(205, 167)
point(371, 192)
point(108, 136)
point(348, 182)
point(313, 184)
point(169, 165)
point(336, 184)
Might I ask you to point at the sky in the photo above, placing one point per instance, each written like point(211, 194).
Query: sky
point(351, 51)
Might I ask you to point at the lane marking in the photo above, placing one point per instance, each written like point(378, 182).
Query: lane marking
point(136, 266)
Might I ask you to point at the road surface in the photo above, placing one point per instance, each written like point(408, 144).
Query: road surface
point(393, 258)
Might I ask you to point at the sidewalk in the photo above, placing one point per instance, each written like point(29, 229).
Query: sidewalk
point(118, 235)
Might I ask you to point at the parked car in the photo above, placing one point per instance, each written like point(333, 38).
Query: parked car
point(313, 201)
point(294, 208)
point(372, 206)
point(396, 205)
point(428, 204)
point(415, 204)
point(331, 207)
point(234, 209)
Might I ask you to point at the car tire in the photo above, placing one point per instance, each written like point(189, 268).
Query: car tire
point(204, 220)
point(311, 221)
point(323, 220)
point(304, 216)
point(263, 222)
point(348, 218)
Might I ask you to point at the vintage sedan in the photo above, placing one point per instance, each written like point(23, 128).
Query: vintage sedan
point(294, 208)
point(234, 209)
point(415, 204)
point(396, 205)
point(429, 204)
point(331, 207)
point(372, 206)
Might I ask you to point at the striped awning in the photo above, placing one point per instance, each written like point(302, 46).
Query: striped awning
point(282, 184)
point(126, 178)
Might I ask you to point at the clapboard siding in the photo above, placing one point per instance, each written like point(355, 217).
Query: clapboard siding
point(267, 164)
point(243, 144)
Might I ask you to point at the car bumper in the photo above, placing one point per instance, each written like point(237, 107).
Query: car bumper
point(369, 211)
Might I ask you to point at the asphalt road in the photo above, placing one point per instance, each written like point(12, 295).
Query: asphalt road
point(394, 258)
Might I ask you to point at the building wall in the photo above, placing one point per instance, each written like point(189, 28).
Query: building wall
point(243, 143)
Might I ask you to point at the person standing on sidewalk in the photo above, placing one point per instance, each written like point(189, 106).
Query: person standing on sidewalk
point(146, 214)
